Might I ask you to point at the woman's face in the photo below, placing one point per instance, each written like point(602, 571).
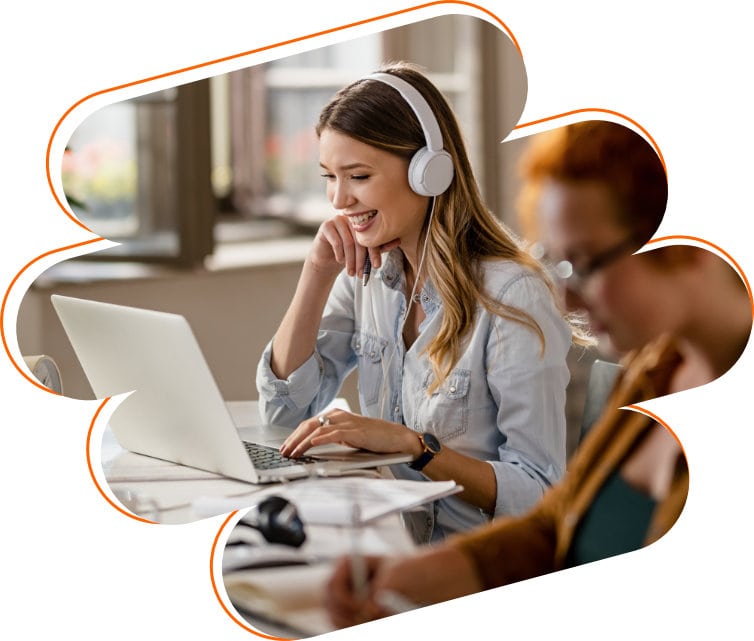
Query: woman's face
point(630, 299)
point(370, 187)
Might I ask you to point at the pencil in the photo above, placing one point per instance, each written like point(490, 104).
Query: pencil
point(394, 602)
point(359, 578)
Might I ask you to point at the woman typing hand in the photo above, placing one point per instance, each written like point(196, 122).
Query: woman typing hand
point(376, 435)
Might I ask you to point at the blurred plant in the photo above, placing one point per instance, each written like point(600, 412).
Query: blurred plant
point(100, 178)
point(73, 201)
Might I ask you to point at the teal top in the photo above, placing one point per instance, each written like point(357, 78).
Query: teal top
point(616, 523)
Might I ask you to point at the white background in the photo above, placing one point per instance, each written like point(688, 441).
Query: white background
point(72, 565)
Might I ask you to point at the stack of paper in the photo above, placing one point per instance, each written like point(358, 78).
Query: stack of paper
point(331, 501)
point(291, 596)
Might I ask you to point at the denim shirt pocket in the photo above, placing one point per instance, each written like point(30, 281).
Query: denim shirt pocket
point(369, 350)
point(448, 407)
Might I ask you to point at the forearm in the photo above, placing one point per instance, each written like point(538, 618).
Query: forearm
point(296, 337)
point(511, 549)
point(477, 477)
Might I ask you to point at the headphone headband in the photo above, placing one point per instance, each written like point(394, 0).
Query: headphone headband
point(431, 168)
point(418, 104)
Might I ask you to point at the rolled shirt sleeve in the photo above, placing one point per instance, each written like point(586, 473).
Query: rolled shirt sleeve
point(528, 386)
point(316, 382)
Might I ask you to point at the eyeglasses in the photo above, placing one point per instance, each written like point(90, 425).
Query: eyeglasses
point(574, 276)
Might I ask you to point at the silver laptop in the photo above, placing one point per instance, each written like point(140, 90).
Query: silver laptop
point(176, 412)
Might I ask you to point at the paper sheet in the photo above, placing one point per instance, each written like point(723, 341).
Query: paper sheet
point(330, 501)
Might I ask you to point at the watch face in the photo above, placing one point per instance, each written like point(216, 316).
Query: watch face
point(432, 443)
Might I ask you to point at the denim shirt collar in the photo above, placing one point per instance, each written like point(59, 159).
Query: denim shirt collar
point(391, 274)
point(392, 268)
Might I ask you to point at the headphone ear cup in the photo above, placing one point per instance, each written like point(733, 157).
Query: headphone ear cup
point(279, 522)
point(430, 172)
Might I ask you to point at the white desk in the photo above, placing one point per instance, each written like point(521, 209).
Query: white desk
point(165, 492)
point(169, 493)
point(162, 491)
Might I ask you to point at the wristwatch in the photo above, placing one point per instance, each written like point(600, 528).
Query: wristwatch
point(431, 446)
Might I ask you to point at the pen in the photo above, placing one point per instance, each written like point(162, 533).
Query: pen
point(367, 270)
point(394, 602)
point(359, 578)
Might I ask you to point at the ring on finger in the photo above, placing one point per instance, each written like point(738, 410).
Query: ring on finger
point(324, 419)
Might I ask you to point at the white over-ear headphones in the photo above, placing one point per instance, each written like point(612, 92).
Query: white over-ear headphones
point(431, 168)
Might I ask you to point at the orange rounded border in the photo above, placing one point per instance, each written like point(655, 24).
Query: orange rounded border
point(91, 468)
point(241, 55)
point(217, 592)
point(638, 408)
point(5, 300)
point(604, 111)
point(176, 72)
point(77, 222)
point(235, 56)
point(741, 272)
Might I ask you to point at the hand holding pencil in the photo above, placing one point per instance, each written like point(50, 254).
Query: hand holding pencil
point(395, 585)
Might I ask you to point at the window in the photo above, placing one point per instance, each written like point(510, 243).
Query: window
point(137, 172)
point(272, 163)
point(234, 158)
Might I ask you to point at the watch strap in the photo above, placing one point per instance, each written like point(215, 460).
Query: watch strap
point(421, 462)
point(424, 458)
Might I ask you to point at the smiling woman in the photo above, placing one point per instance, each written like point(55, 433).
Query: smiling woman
point(459, 344)
point(362, 186)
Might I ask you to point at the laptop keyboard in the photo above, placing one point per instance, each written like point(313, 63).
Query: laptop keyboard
point(267, 458)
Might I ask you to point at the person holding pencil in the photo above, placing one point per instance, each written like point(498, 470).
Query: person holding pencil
point(594, 192)
point(455, 330)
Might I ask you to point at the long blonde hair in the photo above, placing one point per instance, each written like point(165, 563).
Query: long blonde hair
point(462, 231)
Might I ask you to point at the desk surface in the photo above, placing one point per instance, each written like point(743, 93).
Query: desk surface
point(168, 493)
point(165, 492)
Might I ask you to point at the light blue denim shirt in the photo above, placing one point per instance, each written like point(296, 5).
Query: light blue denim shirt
point(504, 401)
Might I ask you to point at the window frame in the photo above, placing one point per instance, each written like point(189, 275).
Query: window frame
point(198, 212)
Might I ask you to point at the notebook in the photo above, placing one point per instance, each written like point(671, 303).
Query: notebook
point(175, 411)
